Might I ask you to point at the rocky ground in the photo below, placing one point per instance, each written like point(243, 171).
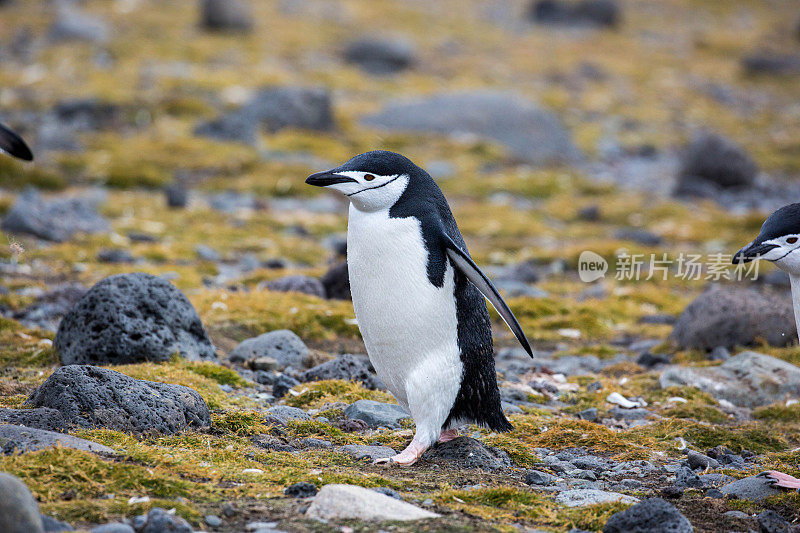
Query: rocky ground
point(177, 346)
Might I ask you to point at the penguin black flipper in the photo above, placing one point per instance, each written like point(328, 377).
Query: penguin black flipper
point(467, 266)
point(12, 144)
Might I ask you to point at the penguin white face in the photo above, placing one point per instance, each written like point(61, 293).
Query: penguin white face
point(778, 241)
point(371, 181)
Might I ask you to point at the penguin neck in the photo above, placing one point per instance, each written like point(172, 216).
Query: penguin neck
point(795, 282)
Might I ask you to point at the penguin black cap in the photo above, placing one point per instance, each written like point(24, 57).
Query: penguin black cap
point(13, 145)
point(381, 162)
point(783, 222)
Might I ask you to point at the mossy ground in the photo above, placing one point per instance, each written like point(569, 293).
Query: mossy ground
point(655, 88)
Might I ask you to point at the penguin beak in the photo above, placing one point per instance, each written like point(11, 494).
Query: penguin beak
point(329, 177)
point(752, 251)
point(12, 144)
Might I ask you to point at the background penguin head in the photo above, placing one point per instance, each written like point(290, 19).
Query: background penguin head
point(372, 180)
point(778, 241)
point(12, 144)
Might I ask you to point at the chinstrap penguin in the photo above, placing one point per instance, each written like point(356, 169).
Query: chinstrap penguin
point(419, 298)
point(13, 145)
point(779, 242)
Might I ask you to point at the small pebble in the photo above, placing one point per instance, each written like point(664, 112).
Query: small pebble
point(213, 520)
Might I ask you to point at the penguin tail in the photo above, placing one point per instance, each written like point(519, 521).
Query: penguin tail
point(499, 423)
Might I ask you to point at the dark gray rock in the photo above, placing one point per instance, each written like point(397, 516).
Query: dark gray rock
point(19, 512)
point(235, 126)
point(653, 515)
point(597, 13)
point(698, 461)
point(73, 25)
point(282, 345)
point(359, 452)
point(233, 202)
point(629, 414)
point(530, 134)
point(282, 384)
point(732, 317)
point(284, 413)
point(20, 439)
point(89, 396)
point(273, 109)
point(650, 360)
point(771, 64)
point(301, 490)
point(347, 367)
point(130, 318)
point(638, 235)
point(755, 488)
point(686, 479)
point(115, 255)
point(388, 492)
point(536, 477)
point(277, 108)
point(298, 283)
point(226, 15)
point(176, 195)
point(748, 379)
point(51, 525)
point(113, 527)
point(53, 220)
point(466, 452)
point(771, 522)
point(589, 414)
point(207, 253)
point(43, 418)
point(88, 114)
point(380, 56)
point(590, 213)
point(49, 308)
point(337, 282)
point(160, 521)
point(376, 414)
point(716, 161)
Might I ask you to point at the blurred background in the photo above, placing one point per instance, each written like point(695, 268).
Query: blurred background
point(174, 137)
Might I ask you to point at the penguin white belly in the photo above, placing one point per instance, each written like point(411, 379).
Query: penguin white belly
point(409, 326)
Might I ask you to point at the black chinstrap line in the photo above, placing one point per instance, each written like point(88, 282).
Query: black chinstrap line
point(373, 188)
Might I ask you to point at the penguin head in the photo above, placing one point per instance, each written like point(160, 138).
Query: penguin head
point(372, 180)
point(778, 241)
point(12, 144)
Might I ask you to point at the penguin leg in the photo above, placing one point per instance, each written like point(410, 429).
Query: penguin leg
point(431, 390)
point(448, 435)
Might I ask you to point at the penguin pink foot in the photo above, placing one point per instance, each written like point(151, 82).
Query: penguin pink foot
point(448, 435)
point(782, 480)
point(407, 457)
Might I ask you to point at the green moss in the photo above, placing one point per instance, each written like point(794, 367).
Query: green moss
point(502, 503)
point(591, 518)
point(315, 394)
point(240, 423)
point(22, 347)
point(704, 413)
point(16, 175)
point(778, 413)
point(221, 374)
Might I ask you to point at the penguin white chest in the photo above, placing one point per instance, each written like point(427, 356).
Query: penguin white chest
point(409, 326)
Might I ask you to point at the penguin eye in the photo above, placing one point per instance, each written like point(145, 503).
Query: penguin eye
point(791, 240)
point(370, 177)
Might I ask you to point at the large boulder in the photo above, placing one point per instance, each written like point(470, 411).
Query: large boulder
point(53, 220)
point(19, 512)
point(337, 502)
point(713, 162)
point(20, 439)
point(598, 13)
point(653, 515)
point(747, 379)
point(129, 318)
point(282, 345)
point(753, 488)
point(226, 15)
point(89, 396)
point(732, 317)
point(380, 56)
point(530, 134)
point(347, 367)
